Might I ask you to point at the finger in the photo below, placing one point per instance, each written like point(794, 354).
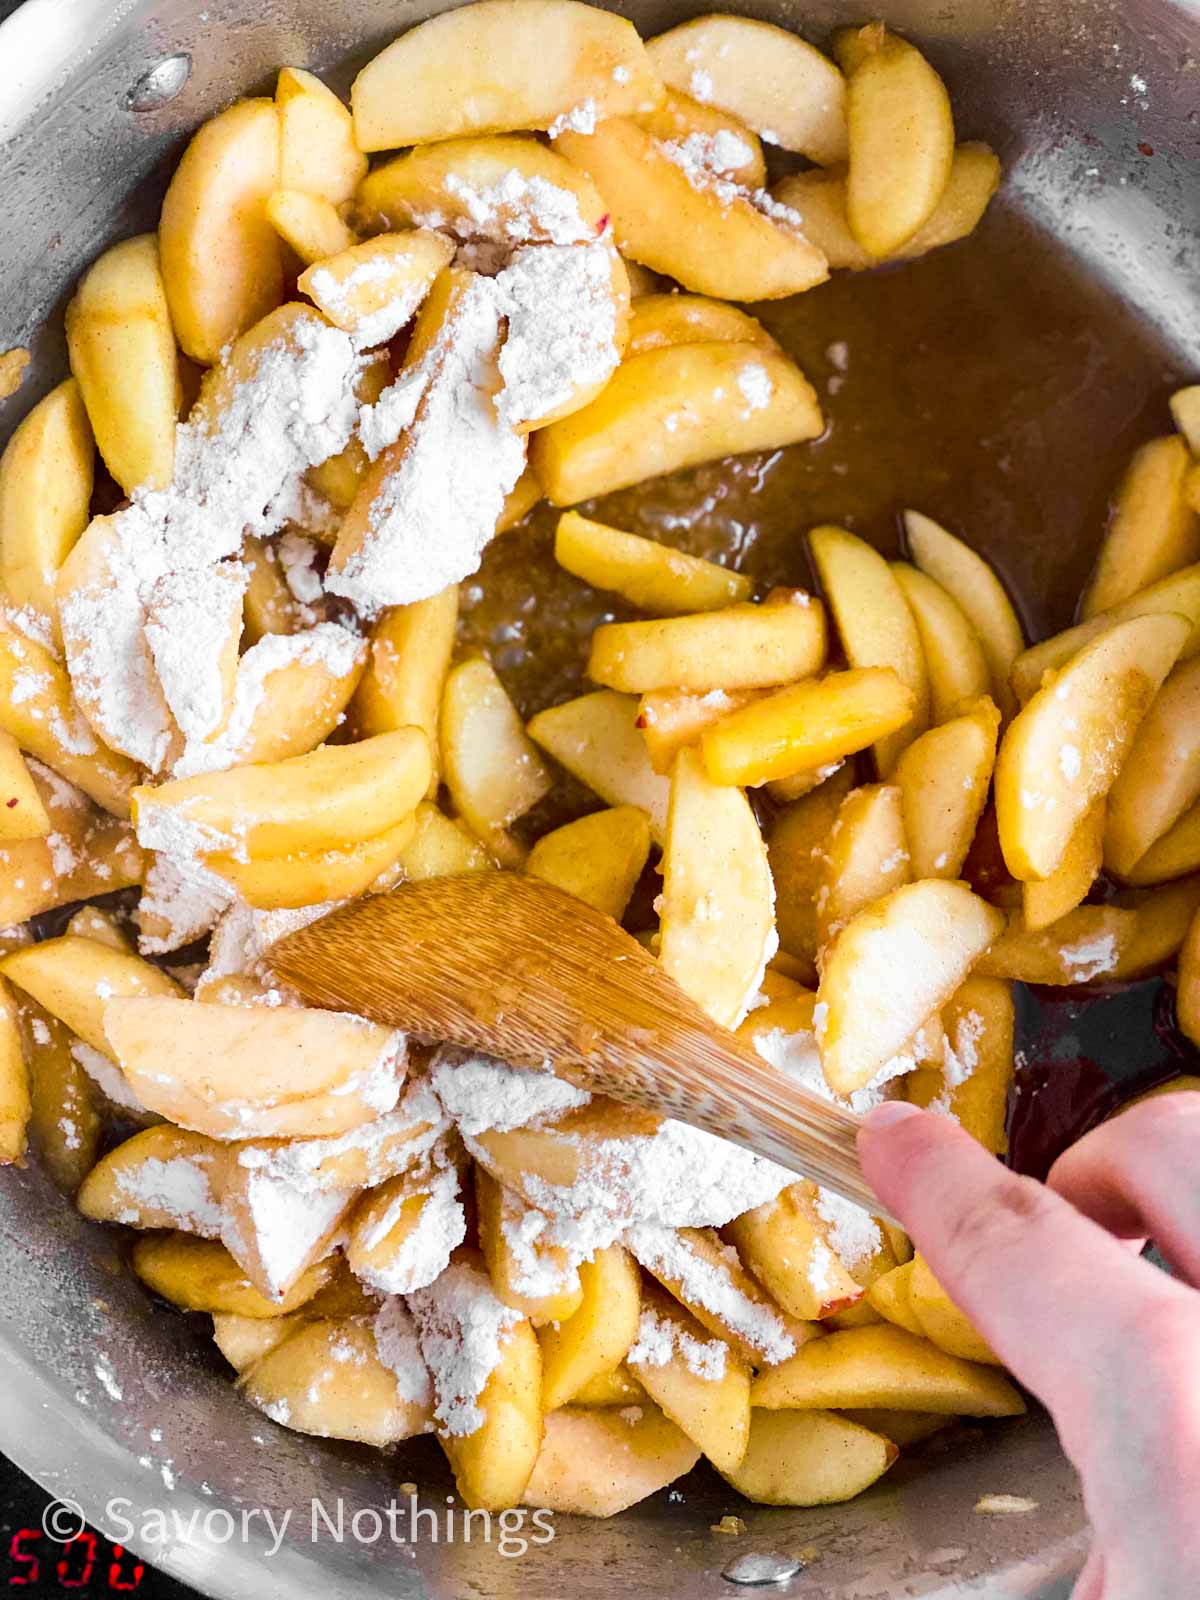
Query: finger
point(1050, 1292)
point(1090, 1583)
point(1138, 1175)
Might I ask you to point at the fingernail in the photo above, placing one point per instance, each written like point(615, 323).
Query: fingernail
point(890, 1113)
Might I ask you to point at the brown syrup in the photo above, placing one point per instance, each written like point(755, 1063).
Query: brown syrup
point(994, 385)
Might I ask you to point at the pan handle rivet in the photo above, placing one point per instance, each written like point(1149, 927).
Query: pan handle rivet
point(161, 84)
point(754, 1570)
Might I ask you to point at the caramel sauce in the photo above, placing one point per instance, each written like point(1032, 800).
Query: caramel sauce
point(998, 387)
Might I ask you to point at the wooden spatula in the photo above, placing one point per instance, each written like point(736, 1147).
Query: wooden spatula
point(515, 968)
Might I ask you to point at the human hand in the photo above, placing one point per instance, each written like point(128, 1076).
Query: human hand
point(1107, 1342)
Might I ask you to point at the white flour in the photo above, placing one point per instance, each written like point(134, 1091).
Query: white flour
point(462, 1327)
point(660, 1340)
point(108, 1077)
point(515, 210)
point(181, 1188)
point(398, 1347)
point(424, 1252)
point(704, 158)
point(437, 507)
point(480, 1093)
point(193, 619)
point(373, 317)
point(667, 1254)
point(561, 313)
point(535, 1269)
point(282, 1228)
point(185, 897)
point(853, 1233)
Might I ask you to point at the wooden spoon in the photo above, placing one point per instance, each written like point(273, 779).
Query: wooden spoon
point(515, 968)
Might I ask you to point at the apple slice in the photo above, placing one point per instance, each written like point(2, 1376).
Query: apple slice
point(742, 646)
point(671, 212)
point(308, 223)
point(371, 290)
point(46, 475)
point(970, 580)
point(274, 1257)
point(237, 1072)
point(808, 727)
point(1067, 746)
point(658, 320)
point(809, 1458)
point(163, 1177)
point(596, 1336)
point(1179, 593)
point(491, 767)
point(599, 1462)
point(652, 576)
point(875, 624)
point(718, 900)
point(408, 660)
point(192, 628)
point(22, 814)
point(598, 858)
point(785, 1244)
point(1044, 902)
point(92, 854)
point(671, 719)
point(200, 1275)
point(326, 800)
point(317, 152)
point(795, 845)
point(538, 1279)
point(673, 408)
point(943, 778)
point(222, 262)
point(122, 352)
point(498, 65)
point(596, 738)
point(280, 883)
point(890, 968)
point(510, 190)
point(74, 978)
point(1185, 411)
point(772, 80)
point(954, 656)
point(1153, 532)
point(1172, 856)
point(901, 138)
point(865, 857)
point(1160, 778)
point(820, 198)
point(736, 153)
point(885, 1366)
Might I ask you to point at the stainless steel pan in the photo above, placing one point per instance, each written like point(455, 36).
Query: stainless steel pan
point(95, 99)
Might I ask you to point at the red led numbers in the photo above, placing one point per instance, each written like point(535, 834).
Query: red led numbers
point(84, 1562)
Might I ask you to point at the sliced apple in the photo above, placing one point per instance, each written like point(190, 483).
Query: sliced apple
point(200, 603)
point(598, 859)
point(163, 1177)
point(1185, 412)
point(673, 408)
point(943, 778)
point(599, 1462)
point(809, 1458)
point(811, 726)
point(1176, 853)
point(657, 321)
point(865, 857)
point(46, 475)
point(511, 190)
point(1153, 531)
point(1160, 778)
point(1050, 898)
point(1064, 750)
point(942, 1323)
point(91, 854)
point(768, 77)
point(308, 223)
point(492, 769)
point(699, 1381)
point(122, 351)
point(954, 655)
point(875, 624)
point(652, 576)
point(785, 1244)
point(237, 1072)
point(889, 1296)
point(934, 933)
point(371, 290)
point(672, 719)
point(596, 1337)
point(74, 979)
point(406, 671)
point(718, 900)
point(742, 646)
point(280, 883)
point(317, 152)
point(22, 814)
point(502, 64)
point(733, 150)
point(973, 1081)
point(596, 738)
point(200, 1275)
point(820, 198)
point(671, 213)
point(795, 849)
point(538, 1279)
point(901, 138)
point(970, 580)
point(15, 1105)
point(222, 263)
point(885, 1366)
point(440, 847)
point(326, 800)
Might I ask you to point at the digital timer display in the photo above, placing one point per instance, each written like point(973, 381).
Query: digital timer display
point(88, 1561)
